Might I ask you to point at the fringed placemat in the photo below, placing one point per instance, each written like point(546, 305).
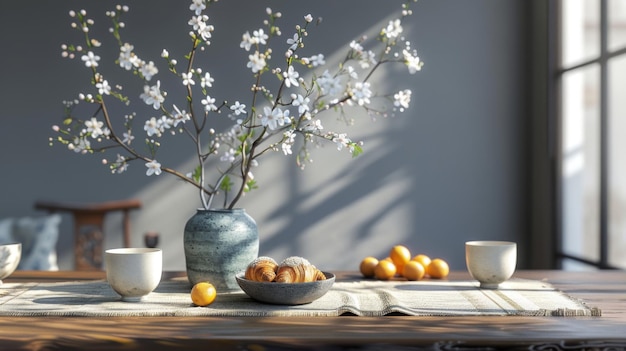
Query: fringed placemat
point(517, 297)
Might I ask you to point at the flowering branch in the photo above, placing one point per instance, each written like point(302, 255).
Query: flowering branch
point(269, 124)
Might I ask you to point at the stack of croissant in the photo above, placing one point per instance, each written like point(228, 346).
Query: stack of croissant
point(291, 270)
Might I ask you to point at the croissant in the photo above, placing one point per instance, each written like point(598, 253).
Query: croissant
point(297, 270)
point(262, 269)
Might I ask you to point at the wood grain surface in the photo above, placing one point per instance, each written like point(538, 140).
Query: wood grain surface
point(604, 289)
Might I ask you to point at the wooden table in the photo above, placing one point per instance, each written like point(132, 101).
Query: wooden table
point(605, 290)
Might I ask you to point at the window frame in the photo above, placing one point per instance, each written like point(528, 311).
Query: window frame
point(555, 121)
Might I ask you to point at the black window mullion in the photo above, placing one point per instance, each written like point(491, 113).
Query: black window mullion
point(554, 127)
point(604, 136)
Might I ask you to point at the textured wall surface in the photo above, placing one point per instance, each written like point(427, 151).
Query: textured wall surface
point(454, 167)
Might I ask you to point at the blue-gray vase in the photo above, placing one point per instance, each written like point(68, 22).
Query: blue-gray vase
point(219, 244)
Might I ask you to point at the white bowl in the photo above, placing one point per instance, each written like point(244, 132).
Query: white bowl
point(133, 272)
point(285, 293)
point(10, 256)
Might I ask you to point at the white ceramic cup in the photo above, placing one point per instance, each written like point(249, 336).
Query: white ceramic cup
point(491, 262)
point(10, 255)
point(133, 272)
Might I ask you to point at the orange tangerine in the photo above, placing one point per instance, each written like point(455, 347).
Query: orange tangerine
point(368, 265)
point(203, 294)
point(384, 270)
point(413, 270)
point(400, 255)
point(438, 268)
point(423, 259)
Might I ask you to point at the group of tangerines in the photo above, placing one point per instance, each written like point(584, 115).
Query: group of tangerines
point(401, 263)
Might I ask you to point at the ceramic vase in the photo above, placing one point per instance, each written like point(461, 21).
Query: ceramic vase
point(218, 244)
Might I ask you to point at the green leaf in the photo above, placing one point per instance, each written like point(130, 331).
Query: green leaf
point(226, 184)
point(356, 150)
point(197, 174)
point(250, 185)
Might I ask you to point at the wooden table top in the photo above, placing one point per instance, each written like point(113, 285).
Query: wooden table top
point(604, 289)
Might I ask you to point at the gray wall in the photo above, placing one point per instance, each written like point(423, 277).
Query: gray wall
point(454, 167)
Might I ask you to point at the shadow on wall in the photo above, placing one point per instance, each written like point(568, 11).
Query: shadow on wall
point(334, 212)
point(449, 169)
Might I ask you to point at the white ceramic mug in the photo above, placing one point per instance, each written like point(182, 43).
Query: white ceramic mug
point(133, 272)
point(491, 262)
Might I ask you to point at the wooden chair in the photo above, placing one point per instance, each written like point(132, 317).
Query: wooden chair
point(88, 227)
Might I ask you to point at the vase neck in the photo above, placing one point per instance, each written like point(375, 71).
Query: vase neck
point(222, 210)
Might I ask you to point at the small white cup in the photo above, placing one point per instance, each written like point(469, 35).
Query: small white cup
point(133, 272)
point(491, 262)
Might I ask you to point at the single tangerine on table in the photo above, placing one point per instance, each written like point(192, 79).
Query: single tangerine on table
point(400, 255)
point(423, 259)
point(368, 265)
point(203, 294)
point(414, 270)
point(438, 269)
point(385, 270)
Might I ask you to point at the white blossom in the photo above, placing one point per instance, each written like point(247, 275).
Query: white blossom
point(180, 116)
point(80, 145)
point(412, 61)
point(148, 70)
point(127, 58)
point(205, 32)
point(164, 123)
point(153, 168)
point(368, 58)
point(301, 102)
point(95, 127)
point(361, 93)
point(290, 138)
point(152, 95)
point(206, 81)
point(314, 126)
point(393, 29)
point(152, 127)
point(120, 165)
point(402, 99)
point(293, 42)
point(257, 62)
point(259, 37)
point(341, 140)
point(127, 137)
point(197, 6)
point(356, 46)
point(188, 78)
point(291, 77)
point(209, 104)
point(317, 60)
point(273, 118)
point(238, 108)
point(330, 85)
point(352, 73)
point(91, 59)
point(229, 156)
point(246, 41)
point(103, 88)
point(197, 22)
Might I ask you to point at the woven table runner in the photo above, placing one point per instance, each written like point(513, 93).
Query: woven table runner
point(362, 298)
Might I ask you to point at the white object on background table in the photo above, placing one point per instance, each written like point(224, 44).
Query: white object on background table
point(491, 262)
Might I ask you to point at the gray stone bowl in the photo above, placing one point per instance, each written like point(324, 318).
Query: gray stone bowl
point(285, 293)
point(10, 256)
